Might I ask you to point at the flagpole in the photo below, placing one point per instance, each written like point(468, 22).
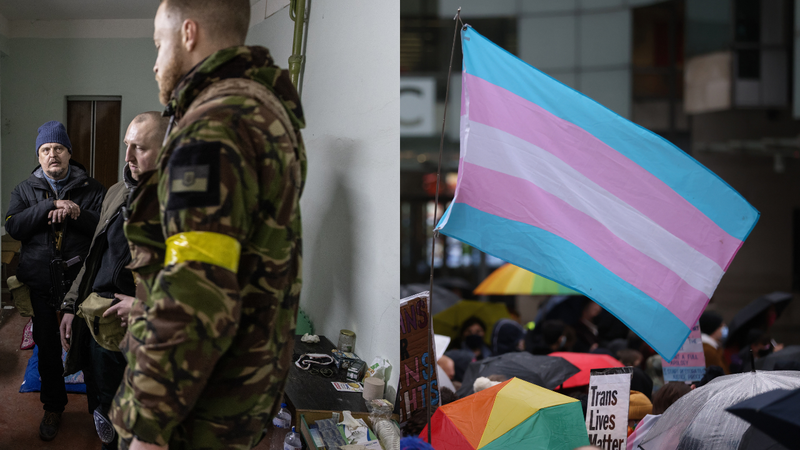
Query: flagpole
point(431, 357)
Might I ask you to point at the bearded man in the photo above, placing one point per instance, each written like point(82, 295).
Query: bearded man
point(215, 238)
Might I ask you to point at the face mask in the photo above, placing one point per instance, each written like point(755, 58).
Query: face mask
point(473, 341)
point(724, 332)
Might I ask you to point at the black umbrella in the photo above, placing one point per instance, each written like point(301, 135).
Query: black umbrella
point(566, 308)
point(776, 413)
point(788, 355)
point(754, 315)
point(545, 371)
point(755, 439)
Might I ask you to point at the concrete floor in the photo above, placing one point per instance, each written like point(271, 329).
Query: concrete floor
point(20, 414)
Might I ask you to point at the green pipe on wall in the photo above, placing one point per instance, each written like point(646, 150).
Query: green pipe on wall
point(297, 12)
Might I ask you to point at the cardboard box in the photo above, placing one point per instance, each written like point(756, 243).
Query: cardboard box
point(310, 417)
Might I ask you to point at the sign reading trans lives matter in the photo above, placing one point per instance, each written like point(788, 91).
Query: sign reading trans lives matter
point(607, 407)
point(690, 363)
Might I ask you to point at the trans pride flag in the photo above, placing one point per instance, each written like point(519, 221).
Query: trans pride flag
point(555, 183)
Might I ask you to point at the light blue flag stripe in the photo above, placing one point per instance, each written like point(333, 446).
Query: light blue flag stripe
point(690, 179)
point(551, 256)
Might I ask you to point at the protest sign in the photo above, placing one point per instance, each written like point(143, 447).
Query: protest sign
point(416, 329)
point(690, 363)
point(607, 407)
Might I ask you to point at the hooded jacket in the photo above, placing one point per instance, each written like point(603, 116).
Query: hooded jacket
point(84, 282)
point(26, 221)
point(215, 241)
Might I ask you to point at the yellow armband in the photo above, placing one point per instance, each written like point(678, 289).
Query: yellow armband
point(204, 246)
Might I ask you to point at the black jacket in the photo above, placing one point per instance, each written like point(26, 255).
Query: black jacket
point(106, 251)
point(104, 243)
point(26, 221)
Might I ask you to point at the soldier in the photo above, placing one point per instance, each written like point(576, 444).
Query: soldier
point(106, 286)
point(215, 240)
point(53, 213)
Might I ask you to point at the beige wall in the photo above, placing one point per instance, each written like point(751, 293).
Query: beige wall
point(764, 263)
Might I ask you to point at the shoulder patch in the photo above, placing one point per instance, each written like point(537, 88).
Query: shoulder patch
point(194, 176)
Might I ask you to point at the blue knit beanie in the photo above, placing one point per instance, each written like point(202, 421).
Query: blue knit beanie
point(53, 132)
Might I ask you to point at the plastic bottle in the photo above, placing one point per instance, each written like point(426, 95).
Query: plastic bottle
point(282, 425)
point(283, 419)
point(292, 441)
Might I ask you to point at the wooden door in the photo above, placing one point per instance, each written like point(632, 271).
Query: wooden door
point(93, 128)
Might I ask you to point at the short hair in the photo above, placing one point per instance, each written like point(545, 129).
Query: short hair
point(472, 320)
point(629, 356)
point(552, 330)
point(226, 19)
point(669, 394)
point(157, 117)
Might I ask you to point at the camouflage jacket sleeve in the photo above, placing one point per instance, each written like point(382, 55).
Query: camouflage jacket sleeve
point(208, 195)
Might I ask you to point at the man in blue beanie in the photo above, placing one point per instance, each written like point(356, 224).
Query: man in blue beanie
point(54, 214)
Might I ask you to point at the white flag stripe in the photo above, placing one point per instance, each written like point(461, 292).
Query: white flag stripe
point(505, 153)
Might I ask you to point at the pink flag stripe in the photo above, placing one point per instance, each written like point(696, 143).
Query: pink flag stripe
point(510, 155)
point(479, 189)
point(504, 110)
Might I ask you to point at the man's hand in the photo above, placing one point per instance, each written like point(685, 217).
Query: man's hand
point(66, 330)
point(121, 309)
point(57, 216)
point(139, 445)
point(64, 209)
point(72, 208)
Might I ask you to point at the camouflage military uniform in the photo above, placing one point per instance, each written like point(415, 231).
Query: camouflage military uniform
point(215, 238)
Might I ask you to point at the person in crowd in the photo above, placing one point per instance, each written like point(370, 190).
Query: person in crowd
point(758, 344)
point(713, 333)
point(637, 343)
point(712, 372)
point(461, 359)
point(507, 336)
point(654, 370)
point(215, 236)
point(585, 329)
point(629, 357)
point(609, 328)
point(53, 213)
point(669, 394)
point(447, 365)
point(551, 336)
point(616, 345)
point(663, 399)
point(642, 382)
point(468, 349)
point(108, 283)
point(638, 407)
point(473, 332)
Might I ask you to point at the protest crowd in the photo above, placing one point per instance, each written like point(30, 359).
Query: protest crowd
point(485, 355)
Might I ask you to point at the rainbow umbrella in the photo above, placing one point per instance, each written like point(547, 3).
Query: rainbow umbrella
point(512, 415)
point(512, 280)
